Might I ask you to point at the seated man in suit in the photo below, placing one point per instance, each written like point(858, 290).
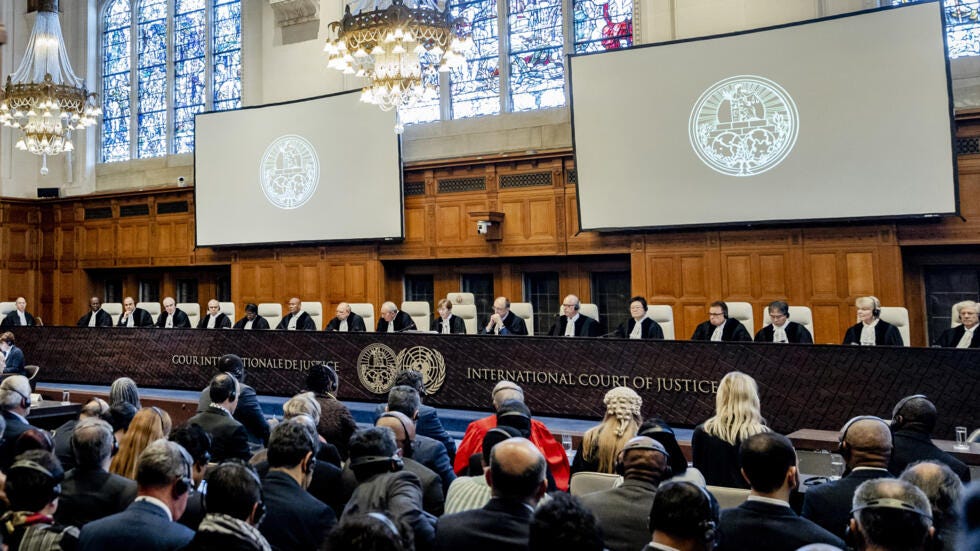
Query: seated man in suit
point(216, 319)
point(765, 522)
point(427, 451)
point(133, 316)
point(19, 317)
point(252, 319)
point(719, 328)
point(12, 358)
point(197, 442)
point(32, 488)
point(503, 321)
point(870, 330)
point(172, 316)
point(866, 444)
point(944, 490)
point(96, 316)
point(346, 321)
point(15, 400)
point(782, 330)
point(229, 437)
point(639, 326)
point(296, 319)
point(90, 491)
point(562, 522)
point(517, 481)
point(392, 320)
point(891, 515)
point(683, 516)
point(234, 511)
point(163, 480)
point(573, 324)
point(961, 336)
point(433, 496)
point(913, 420)
point(95, 408)
point(248, 412)
point(426, 418)
point(447, 322)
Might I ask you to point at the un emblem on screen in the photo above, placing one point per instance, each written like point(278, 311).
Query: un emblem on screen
point(743, 125)
point(378, 366)
point(289, 172)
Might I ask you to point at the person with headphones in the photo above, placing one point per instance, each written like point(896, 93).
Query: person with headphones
point(765, 522)
point(890, 515)
point(913, 420)
point(571, 323)
point(15, 401)
point(683, 517)
point(235, 511)
point(782, 329)
point(95, 408)
point(719, 327)
point(336, 423)
point(248, 412)
point(33, 486)
point(11, 357)
point(503, 321)
point(433, 496)
point(644, 463)
point(229, 439)
point(865, 442)
point(870, 330)
point(163, 479)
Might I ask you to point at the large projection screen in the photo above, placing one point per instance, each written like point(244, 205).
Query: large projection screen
point(324, 169)
point(839, 118)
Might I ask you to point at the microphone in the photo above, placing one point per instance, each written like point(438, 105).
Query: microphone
point(609, 334)
point(406, 328)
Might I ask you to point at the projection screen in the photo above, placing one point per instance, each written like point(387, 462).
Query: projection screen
point(324, 169)
point(840, 118)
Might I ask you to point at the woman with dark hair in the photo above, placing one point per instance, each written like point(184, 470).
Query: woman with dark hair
point(336, 424)
point(639, 326)
point(659, 430)
point(12, 359)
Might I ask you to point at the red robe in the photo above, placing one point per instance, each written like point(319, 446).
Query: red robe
point(552, 450)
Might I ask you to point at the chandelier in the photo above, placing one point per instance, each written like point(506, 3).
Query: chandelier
point(44, 98)
point(399, 44)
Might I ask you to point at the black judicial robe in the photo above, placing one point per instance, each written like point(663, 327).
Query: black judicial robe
point(584, 327)
point(795, 333)
point(402, 322)
point(303, 323)
point(141, 318)
point(951, 337)
point(223, 322)
point(258, 323)
point(456, 325)
point(886, 334)
point(181, 320)
point(651, 329)
point(355, 324)
point(734, 331)
point(13, 320)
point(102, 319)
point(512, 324)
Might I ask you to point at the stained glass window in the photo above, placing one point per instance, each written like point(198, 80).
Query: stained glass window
point(227, 54)
point(116, 78)
point(151, 83)
point(602, 26)
point(189, 73)
point(476, 86)
point(962, 26)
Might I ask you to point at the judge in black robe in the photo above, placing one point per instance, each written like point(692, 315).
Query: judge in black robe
point(584, 325)
point(795, 333)
point(13, 320)
point(102, 318)
point(650, 329)
point(221, 321)
point(180, 319)
point(355, 323)
point(390, 314)
point(733, 330)
point(303, 320)
point(456, 324)
point(868, 313)
point(252, 314)
point(141, 318)
point(509, 323)
point(966, 315)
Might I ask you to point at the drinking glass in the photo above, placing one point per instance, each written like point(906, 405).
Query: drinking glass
point(961, 443)
point(836, 466)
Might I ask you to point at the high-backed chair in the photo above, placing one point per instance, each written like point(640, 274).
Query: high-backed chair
point(152, 308)
point(954, 318)
point(366, 311)
point(315, 310)
point(193, 311)
point(800, 314)
point(587, 482)
point(899, 317)
point(7, 307)
point(742, 311)
point(467, 312)
point(729, 497)
point(461, 298)
point(664, 315)
point(591, 310)
point(420, 311)
point(114, 309)
point(525, 311)
point(272, 312)
point(228, 309)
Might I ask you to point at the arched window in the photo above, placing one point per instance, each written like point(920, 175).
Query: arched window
point(187, 59)
point(962, 26)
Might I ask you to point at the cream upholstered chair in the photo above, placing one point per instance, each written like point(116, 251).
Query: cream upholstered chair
point(587, 482)
point(152, 308)
point(366, 311)
point(228, 309)
point(193, 311)
point(315, 310)
point(525, 311)
point(728, 497)
point(742, 311)
point(664, 315)
point(114, 309)
point(467, 313)
point(7, 307)
point(420, 311)
point(461, 298)
point(588, 309)
point(272, 312)
point(899, 317)
point(800, 314)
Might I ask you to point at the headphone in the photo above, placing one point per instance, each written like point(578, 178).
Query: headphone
point(407, 450)
point(396, 460)
point(904, 402)
point(708, 528)
point(36, 467)
point(106, 428)
point(159, 416)
point(260, 511)
point(875, 306)
point(640, 443)
point(507, 387)
point(25, 401)
point(842, 437)
point(389, 524)
point(185, 482)
point(855, 539)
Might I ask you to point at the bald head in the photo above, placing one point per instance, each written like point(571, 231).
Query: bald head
point(517, 470)
point(402, 426)
point(940, 485)
point(504, 391)
point(868, 442)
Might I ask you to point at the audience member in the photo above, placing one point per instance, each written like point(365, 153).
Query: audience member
point(294, 520)
point(95, 408)
point(943, 489)
point(197, 442)
point(33, 485)
point(719, 327)
point(659, 430)
point(346, 321)
point(296, 319)
point(601, 444)
point(870, 330)
point(11, 357)
point(473, 492)
point(503, 321)
point(716, 442)
point(15, 400)
point(172, 316)
point(563, 523)
point(121, 415)
point(229, 439)
point(33, 439)
point(913, 420)
point(133, 316)
point(427, 422)
point(216, 319)
point(96, 316)
point(683, 517)
point(90, 491)
point(336, 424)
point(163, 479)
point(149, 425)
point(305, 403)
point(251, 319)
point(405, 399)
point(970, 513)
point(961, 336)
point(19, 317)
point(248, 412)
point(517, 479)
point(393, 321)
point(890, 515)
point(639, 325)
point(866, 444)
point(124, 389)
point(235, 509)
point(572, 323)
point(433, 499)
point(765, 522)
point(368, 532)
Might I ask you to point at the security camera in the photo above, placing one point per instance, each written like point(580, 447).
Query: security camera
point(482, 227)
point(181, 182)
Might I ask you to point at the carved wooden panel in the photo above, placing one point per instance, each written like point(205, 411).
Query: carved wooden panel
point(823, 275)
point(134, 239)
point(737, 276)
point(415, 224)
point(860, 273)
point(773, 275)
point(98, 241)
point(661, 277)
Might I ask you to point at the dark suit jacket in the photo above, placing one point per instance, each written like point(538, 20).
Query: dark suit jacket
point(433, 493)
point(795, 333)
point(623, 514)
point(909, 446)
point(829, 505)
point(295, 520)
point(102, 319)
point(584, 327)
point(229, 439)
point(327, 484)
point(15, 427)
point(248, 412)
point(651, 329)
point(355, 324)
point(401, 322)
point(766, 527)
point(258, 323)
point(456, 325)
point(13, 320)
point(400, 495)
point(734, 331)
point(141, 318)
point(303, 323)
point(951, 337)
point(223, 322)
point(716, 459)
point(886, 334)
point(91, 494)
point(141, 527)
point(432, 453)
point(14, 364)
point(512, 325)
point(61, 437)
point(501, 525)
point(428, 424)
point(180, 319)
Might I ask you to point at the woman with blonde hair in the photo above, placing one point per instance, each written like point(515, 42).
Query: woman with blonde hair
point(600, 444)
point(738, 416)
point(149, 424)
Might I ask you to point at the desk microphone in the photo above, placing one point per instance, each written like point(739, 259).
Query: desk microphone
point(610, 334)
point(408, 328)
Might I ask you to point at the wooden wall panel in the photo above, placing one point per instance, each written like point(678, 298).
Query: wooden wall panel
point(860, 273)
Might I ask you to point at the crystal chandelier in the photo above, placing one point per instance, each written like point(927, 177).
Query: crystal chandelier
point(44, 98)
point(397, 44)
